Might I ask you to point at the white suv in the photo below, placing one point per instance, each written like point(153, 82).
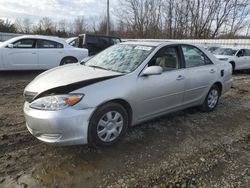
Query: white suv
point(239, 58)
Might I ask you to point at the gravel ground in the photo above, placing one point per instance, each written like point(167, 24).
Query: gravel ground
point(184, 149)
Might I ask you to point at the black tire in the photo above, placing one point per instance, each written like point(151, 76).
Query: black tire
point(207, 105)
point(95, 125)
point(233, 66)
point(68, 60)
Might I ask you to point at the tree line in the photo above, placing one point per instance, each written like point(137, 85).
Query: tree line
point(172, 19)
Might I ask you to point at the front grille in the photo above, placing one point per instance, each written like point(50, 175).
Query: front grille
point(29, 96)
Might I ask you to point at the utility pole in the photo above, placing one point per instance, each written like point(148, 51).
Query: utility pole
point(108, 25)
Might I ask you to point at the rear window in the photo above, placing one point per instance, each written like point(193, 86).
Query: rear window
point(104, 40)
point(48, 44)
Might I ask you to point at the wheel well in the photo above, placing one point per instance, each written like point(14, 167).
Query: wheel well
point(125, 104)
point(233, 64)
point(219, 86)
point(68, 57)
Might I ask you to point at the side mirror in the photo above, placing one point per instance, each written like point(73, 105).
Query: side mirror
point(152, 70)
point(10, 46)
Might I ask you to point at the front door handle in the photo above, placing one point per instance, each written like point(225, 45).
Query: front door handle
point(212, 71)
point(180, 77)
point(33, 52)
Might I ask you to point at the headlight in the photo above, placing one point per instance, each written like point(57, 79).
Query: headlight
point(56, 102)
point(223, 59)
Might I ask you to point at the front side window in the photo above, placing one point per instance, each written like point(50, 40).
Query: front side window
point(48, 44)
point(167, 58)
point(240, 53)
point(121, 58)
point(194, 57)
point(24, 43)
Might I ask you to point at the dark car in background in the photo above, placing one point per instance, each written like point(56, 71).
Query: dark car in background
point(94, 43)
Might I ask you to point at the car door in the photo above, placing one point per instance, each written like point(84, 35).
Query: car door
point(200, 74)
point(242, 60)
point(160, 93)
point(22, 56)
point(50, 53)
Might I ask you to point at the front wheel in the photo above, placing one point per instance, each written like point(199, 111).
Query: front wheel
point(108, 125)
point(212, 99)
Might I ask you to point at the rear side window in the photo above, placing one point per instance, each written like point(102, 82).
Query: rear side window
point(24, 43)
point(247, 52)
point(194, 57)
point(91, 40)
point(48, 44)
point(104, 41)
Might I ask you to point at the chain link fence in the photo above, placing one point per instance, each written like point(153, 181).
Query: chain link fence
point(233, 43)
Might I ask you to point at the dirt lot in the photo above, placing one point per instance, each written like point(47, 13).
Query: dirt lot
point(183, 149)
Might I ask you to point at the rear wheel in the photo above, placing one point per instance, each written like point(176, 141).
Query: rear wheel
point(108, 125)
point(212, 99)
point(68, 60)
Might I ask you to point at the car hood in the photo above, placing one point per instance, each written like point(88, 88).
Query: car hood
point(64, 77)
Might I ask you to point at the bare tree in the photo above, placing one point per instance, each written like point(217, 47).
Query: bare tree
point(239, 16)
point(23, 25)
point(142, 16)
point(80, 25)
point(183, 18)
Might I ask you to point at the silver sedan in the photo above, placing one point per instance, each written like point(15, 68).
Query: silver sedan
point(96, 101)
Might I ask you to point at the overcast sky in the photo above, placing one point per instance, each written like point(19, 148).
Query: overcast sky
point(55, 9)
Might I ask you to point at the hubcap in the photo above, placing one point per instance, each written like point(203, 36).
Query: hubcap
point(110, 126)
point(213, 97)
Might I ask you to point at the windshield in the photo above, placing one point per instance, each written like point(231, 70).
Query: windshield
point(225, 51)
point(123, 58)
point(212, 49)
point(10, 41)
point(71, 41)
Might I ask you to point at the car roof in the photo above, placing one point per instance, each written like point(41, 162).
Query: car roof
point(56, 39)
point(97, 35)
point(150, 43)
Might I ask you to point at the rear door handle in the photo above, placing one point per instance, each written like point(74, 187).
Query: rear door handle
point(33, 52)
point(180, 77)
point(212, 71)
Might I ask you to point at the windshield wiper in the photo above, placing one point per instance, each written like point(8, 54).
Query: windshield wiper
point(98, 67)
point(82, 62)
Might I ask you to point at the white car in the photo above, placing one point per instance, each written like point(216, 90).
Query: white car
point(238, 58)
point(37, 52)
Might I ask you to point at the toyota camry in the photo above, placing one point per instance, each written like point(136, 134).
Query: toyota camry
point(94, 102)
